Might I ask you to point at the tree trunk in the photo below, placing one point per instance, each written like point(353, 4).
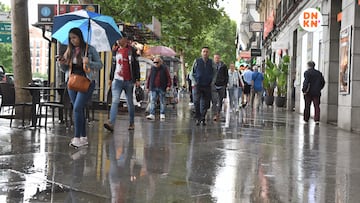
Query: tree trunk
point(21, 50)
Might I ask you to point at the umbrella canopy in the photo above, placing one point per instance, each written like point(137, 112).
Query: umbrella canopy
point(160, 50)
point(98, 30)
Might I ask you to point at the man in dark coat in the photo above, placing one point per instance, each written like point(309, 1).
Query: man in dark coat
point(158, 83)
point(312, 86)
point(219, 87)
point(202, 76)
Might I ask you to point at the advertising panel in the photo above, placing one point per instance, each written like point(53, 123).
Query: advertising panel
point(344, 60)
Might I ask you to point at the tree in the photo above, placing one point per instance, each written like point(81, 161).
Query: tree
point(220, 38)
point(182, 21)
point(21, 49)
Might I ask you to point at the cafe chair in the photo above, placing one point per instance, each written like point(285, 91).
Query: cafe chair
point(61, 106)
point(8, 100)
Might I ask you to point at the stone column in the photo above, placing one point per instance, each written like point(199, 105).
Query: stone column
point(330, 70)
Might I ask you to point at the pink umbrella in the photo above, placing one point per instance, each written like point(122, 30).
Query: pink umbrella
point(160, 50)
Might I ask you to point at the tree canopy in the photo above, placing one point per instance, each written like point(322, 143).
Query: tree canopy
point(186, 25)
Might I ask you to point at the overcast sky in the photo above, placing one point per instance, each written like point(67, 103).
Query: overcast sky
point(32, 7)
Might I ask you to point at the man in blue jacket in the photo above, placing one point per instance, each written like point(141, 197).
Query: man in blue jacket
point(202, 76)
point(313, 84)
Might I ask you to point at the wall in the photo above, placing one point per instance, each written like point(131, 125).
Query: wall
point(349, 105)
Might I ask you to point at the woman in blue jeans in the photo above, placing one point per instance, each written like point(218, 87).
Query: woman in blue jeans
point(73, 59)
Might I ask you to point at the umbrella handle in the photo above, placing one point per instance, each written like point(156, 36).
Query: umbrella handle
point(85, 68)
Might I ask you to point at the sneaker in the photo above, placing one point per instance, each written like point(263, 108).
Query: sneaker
point(197, 122)
point(150, 117)
point(76, 142)
point(109, 127)
point(317, 122)
point(84, 140)
point(162, 116)
point(203, 122)
point(191, 104)
point(131, 127)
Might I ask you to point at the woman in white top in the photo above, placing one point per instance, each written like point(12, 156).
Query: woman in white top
point(235, 82)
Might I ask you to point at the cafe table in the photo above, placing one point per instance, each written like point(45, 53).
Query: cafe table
point(35, 93)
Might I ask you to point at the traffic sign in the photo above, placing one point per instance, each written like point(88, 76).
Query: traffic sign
point(5, 38)
point(5, 16)
point(255, 52)
point(5, 27)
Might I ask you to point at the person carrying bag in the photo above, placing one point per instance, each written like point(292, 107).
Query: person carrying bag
point(80, 63)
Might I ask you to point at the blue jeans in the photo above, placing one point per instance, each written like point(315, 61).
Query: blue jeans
point(233, 97)
point(79, 101)
point(117, 86)
point(154, 94)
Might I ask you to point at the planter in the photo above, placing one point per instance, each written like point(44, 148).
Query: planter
point(280, 101)
point(269, 100)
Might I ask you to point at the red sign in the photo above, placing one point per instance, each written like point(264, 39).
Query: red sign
point(269, 24)
point(245, 54)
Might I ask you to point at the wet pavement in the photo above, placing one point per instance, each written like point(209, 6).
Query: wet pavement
point(266, 156)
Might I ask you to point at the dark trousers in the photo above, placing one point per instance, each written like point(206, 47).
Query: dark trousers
point(202, 97)
point(218, 96)
point(316, 101)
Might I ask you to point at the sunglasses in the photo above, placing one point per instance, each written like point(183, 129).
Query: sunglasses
point(156, 62)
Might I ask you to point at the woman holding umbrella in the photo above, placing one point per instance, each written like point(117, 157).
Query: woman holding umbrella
point(82, 59)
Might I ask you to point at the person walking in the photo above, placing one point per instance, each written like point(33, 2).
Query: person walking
point(202, 76)
point(257, 88)
point(233, 86)
point(77, 61)
point(159, 81)
point(125, 72)
point(219, 87)
point(247, 78)
point(313, 84)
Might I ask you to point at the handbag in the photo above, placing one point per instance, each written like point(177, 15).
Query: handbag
point(78, 82)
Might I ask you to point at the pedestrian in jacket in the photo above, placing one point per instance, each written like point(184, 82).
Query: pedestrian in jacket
point(313, 84)
point(74, 59)
point(125, 72)
point(159, 81)
point(202, 77)
point(219, 87)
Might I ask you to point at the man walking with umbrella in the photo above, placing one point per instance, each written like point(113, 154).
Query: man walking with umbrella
point(125, 72)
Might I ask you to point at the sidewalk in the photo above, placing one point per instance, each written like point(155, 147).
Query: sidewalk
point(271, 156)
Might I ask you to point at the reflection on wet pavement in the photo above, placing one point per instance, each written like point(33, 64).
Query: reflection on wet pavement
point(265, 156)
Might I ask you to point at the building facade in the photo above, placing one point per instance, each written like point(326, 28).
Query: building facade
point(334, 47)
point(39, 52)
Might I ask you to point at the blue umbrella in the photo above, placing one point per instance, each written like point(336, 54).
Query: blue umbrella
point(98, 30)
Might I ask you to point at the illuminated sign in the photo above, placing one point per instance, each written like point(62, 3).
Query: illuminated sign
point(310, 19)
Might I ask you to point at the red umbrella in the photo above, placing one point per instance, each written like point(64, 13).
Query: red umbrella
point(160, 50)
